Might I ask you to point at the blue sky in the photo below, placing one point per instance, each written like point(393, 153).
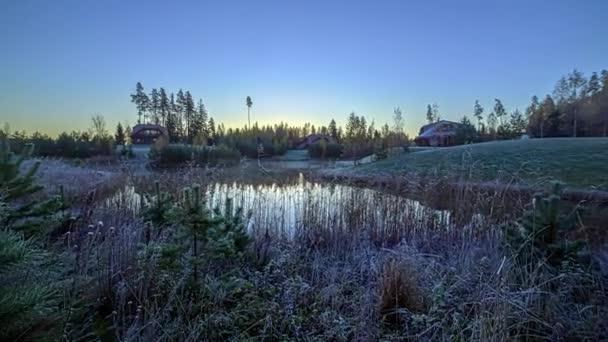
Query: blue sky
point(63, 61)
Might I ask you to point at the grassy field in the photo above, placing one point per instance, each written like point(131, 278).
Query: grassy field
point(580, 162)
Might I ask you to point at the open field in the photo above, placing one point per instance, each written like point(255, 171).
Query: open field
point(579, 163)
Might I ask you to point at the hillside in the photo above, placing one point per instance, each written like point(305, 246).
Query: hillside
point(580, 162)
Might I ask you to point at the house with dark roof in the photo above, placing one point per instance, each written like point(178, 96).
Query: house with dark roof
point(147, 134)
point(440, 133)
point(313, 139)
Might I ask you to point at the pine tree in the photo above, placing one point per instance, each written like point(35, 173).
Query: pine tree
point(333, 130)
point(171, 121)
point(119, 136)
point(141, 101)
point(478, 114)
point(429, 114)
point(154, 104)
point(24, 300)
point(249, 103)
point(198, 126)
point(436, 116)
point(212, 128)
point(189, 116)
point(196, 218)
point(163, 108)
point(517, 122)
point(542, 231)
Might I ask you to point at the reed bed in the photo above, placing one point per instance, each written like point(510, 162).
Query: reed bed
point(326, 262)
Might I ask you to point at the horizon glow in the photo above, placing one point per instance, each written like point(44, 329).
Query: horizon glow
point(64, 61)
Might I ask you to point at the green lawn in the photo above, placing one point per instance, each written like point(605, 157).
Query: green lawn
point(578, 162)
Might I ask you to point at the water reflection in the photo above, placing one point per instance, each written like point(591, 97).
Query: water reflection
point(299, 205)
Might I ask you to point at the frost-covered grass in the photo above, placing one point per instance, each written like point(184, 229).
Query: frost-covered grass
point(577, 162)
point(347, 272)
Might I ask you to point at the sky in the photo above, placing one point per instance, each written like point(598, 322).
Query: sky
point(301, 61)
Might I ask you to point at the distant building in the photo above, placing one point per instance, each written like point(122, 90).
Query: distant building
point(147, 134)
point(313, 139)
point(440, 133)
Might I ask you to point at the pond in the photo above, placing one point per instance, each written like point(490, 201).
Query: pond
point(300, 205)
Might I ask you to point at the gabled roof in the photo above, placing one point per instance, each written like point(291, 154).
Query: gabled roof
point(430, 130)
point(141, 127)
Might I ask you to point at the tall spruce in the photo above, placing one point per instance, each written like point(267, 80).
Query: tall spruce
point(141, 101)
point(119, 136)
point(163, 108)
point(154, 104)
point(189, 117)
point(333, 130)
point(171, 122)
point(478, 114)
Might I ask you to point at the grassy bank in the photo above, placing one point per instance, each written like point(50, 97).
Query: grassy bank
point(352, 264)
point(580, 162)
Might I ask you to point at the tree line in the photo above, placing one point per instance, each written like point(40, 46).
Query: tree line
point(577, 107)
point(185, 120)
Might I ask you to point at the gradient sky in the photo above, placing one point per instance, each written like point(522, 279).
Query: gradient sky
point(62, 61)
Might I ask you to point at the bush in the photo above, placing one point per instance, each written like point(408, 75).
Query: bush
point(398, 292)
point(177, 154)
point(324, 150)
point(67, 145)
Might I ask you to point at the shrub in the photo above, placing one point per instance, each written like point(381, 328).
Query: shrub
point(541, 231)
point(324, 150)
point(399, 293)
point(177, 154)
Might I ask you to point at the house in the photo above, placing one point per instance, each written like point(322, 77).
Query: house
point(313, 139)
point(440, 133)
point(147, 134)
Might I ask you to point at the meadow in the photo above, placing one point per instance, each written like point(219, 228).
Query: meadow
point(578, 163)
point(233, 254)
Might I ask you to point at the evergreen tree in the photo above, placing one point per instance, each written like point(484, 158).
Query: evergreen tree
point(180, 105)
point(333, 130)
point(189, 116)
point(466, 131)
point(211, 128)
point(478, 114)
point(154, 104)
point(163, 108)
point(429, 114)
point(201, 120)
point(119, 136)
point(249, 103)
point(171, 123)
point(491, 123)
point(436, 116)
point(25, 302)
point(499, 111)
point(534, 115)
point(128, 131)
point(518, 123)
point(141, 101)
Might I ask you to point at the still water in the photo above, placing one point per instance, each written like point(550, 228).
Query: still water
point(288, 207)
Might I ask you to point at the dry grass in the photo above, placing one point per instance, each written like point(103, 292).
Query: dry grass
point(399, 291)
point(328, 262)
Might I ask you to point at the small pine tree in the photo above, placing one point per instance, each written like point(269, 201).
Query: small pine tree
point(196, 218)
point(156, 209)
point(540, 233)
point(24, 301)
point(229, 238)
point(119, 136)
